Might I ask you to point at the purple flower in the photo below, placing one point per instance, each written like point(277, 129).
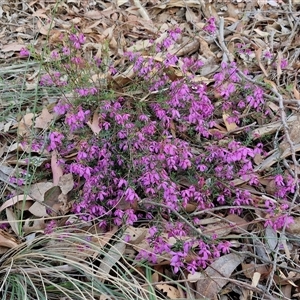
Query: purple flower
point(54, 55)
point(284, 63)
point(130, 195)
point(76, 60)
point(175, 33)
point(268, 55)
point(130, 216)
point(24, 52)
point(66, 51)
point(50, 227)
point(55, 140)
point(279, 180)
point(177, 261)
point(98, 61)
point(83, 92)
point(46, 80)
point(77, 40)
point(167, 42)
point(224, 247)
point(210, 26)
point(152, 231)
point(192, 267)
point(61, 108)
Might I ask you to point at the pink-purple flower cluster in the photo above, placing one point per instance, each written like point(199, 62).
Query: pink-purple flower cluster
point(156, 155)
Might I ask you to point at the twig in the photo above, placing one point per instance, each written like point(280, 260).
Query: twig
point(239, 129)
point(141, 10)
point(196, 230)
point(226, 55)
point(286, 101)
point(291, 37)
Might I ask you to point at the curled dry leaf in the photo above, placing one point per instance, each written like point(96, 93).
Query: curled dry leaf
point(296, 92)
point(205, 49)
point(170, 291)
point(94, 125)
point(37, 192)
point(112, 257)
point(189, 48)
point(12, 201)
point(24, 205)
point(56, 169)
point(136, 235)
point(6, 240)
point(229, 125)
point(51, 198)
point(271, 238)
point(270, 128)
point(13, 221)
point(66, 183)
point(12, 47)
point(282, 279)
point(294, 134)
point(93, 14)
point(275, 157)
point(125, 77)
point(34, 225)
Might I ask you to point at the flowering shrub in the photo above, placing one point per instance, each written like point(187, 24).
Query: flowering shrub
point(133, 169)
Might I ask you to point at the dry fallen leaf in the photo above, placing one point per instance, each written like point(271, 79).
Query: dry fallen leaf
point(25, 124)
point(66, 183)
point(270, 128)
point(229, 125)
point(296, 92)
point(294, 228)
point(217, 274)
point(45, 29)
point(12, 47)
point(34, 225)
point(270, 238)
point(51, 196)
point(56, 168)
point(6, 240)
point(125, 77)
point(293, 130)
point(237, 223)
point(258, 55)
point(43, 120)
point(136, 234)
point(14, 200)
point(94, 125)
point(13, 221)
point(170, 291)
point(112, 257)
point(219, 229)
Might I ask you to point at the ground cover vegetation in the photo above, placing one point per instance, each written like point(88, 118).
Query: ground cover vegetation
point(160, 166)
